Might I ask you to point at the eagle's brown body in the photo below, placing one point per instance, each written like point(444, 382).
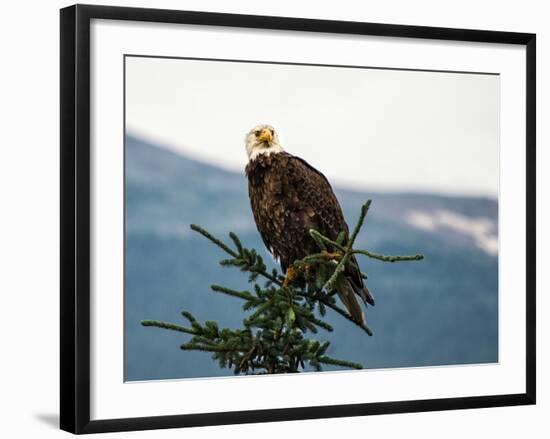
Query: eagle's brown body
point(288, 198)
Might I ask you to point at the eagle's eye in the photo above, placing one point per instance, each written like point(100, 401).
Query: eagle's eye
point(257, 133)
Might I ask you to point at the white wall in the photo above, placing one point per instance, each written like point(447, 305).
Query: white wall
point(29, 247)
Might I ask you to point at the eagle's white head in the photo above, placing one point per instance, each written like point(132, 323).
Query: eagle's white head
point(262, 139)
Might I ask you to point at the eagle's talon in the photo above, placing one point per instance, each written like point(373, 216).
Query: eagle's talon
point(290, 276)
point(303, 267)
point(329, 255)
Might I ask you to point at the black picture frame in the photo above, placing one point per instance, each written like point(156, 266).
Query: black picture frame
point(75, 217)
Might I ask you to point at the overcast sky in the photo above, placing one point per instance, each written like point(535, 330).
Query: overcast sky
point(366, 128)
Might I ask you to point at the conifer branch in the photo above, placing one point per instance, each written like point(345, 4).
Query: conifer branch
point(362, 214)
point(341, 363)
point(385, 258)
point(349, 247)
point(199, 347)
point(321, 238)
point(245, 295)
point(273, 336)
point(246, 259)
point(166, 325)
point(215, 240)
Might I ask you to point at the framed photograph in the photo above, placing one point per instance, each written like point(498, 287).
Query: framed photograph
point(286, 218)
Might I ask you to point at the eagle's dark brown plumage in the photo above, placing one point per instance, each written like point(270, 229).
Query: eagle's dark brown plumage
point(288, 198)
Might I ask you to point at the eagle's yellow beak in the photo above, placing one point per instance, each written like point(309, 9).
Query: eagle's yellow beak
point(265, 135)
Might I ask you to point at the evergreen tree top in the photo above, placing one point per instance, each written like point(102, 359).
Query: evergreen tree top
point(282, 314)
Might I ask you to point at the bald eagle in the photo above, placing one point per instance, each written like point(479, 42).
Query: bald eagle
point(289, 197)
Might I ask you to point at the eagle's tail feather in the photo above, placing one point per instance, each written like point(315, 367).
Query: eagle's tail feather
point(346, 293)
point(366, 295)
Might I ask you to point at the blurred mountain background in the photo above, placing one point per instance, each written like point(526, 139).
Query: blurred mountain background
point(441, 311)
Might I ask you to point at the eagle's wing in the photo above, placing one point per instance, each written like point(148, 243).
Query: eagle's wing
point(322, 211)
point(289, 197)
point(316, 200)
